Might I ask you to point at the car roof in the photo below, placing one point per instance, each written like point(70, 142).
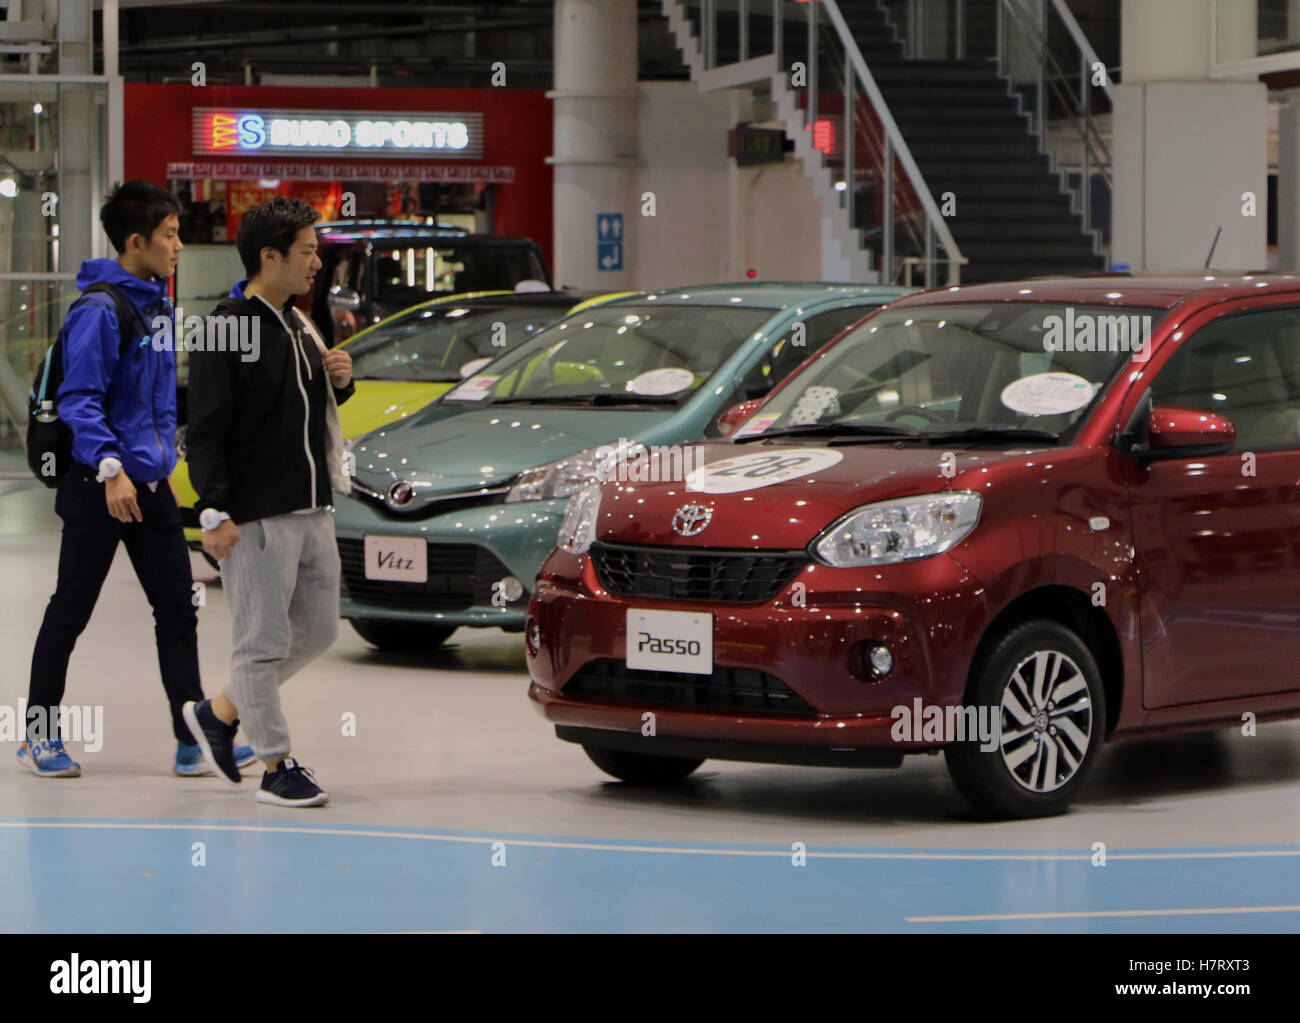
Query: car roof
point(382, 232)
point(1160, 290)
point(764, 294)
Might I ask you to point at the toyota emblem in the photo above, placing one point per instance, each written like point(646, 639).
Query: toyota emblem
point(400, 494)
point(691, 519)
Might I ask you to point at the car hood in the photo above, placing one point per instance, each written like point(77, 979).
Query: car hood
point(376, 403)
point(451, 449)
point(785, 515)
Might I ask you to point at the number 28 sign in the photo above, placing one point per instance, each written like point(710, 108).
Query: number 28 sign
point(751, 471)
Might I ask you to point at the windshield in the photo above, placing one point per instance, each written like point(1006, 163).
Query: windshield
point(617, 355)
point(927, 372)
point(407, 275)
point(437, 344)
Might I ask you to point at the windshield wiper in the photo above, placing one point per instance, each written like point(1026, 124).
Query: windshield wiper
point(589, 399)
point(861, 430)
point(995, 433)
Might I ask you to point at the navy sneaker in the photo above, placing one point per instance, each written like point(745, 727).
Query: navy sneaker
point(48, 760)
point(216, 739)
point(291, 785)
point(190, 762)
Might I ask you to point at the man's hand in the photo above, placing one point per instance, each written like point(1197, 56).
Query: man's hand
point(119, 494)
point(221, 541)
point(338, 364)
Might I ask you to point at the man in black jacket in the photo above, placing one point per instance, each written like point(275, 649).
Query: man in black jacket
point(265, 449)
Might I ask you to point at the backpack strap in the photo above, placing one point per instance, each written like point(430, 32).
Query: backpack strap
point(127, 315)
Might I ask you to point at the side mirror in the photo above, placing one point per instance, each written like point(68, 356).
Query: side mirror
point(731, 420)
point(344, 298)
point(1174, 432)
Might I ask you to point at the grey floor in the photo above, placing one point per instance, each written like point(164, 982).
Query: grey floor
point(450, 740)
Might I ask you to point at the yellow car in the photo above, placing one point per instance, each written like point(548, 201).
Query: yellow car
point(402, 363)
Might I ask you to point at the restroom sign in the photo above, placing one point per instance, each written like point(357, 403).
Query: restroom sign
point(609, 241)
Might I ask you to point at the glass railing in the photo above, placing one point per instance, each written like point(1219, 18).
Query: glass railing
point(892, 213)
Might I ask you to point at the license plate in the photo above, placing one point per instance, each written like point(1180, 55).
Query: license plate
point(400, 559)
point(670, 641)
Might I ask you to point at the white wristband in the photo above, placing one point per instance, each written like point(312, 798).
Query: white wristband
point(210, 519)
point(108, 469)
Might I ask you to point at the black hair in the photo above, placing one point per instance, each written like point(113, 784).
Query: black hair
point(271, 224)
point(136, 207)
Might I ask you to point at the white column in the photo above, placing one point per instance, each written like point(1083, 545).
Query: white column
point(78, 139)
point(1189, 153)
point(595, 135)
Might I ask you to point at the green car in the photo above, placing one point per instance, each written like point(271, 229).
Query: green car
point(454, 509)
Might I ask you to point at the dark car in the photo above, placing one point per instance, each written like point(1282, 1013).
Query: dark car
point(374, 268)
point(1010, 522)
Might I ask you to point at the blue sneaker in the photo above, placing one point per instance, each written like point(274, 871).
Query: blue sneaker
point(190, 762)
point(48, 760)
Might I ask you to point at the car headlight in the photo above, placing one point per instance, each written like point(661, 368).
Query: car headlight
point(578, 530)
point(901, 530)
point(569, 475)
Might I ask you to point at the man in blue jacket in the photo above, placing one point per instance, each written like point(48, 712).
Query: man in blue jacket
point(122, 413)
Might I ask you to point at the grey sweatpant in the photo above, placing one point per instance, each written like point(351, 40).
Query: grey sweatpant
point(282, 585)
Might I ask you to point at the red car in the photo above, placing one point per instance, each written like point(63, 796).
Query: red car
point(1008, 521)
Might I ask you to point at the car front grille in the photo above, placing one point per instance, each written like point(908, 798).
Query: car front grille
point(676, 573)
point(730, 689)
point(460, 576)
point(440, 506)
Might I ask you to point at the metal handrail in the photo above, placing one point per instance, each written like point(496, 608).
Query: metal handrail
point(1094, 145)
point(895, 145)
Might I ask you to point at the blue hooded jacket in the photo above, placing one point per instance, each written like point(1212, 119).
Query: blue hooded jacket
point(140, 388)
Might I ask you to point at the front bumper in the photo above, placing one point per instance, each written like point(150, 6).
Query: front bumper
point(789, 674)
point(471, 551)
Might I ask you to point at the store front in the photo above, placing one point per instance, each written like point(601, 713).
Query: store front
point(471, 159)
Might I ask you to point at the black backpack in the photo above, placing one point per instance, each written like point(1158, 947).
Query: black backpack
point(47, 434)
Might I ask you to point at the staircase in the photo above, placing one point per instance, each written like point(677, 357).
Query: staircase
point(963, 123)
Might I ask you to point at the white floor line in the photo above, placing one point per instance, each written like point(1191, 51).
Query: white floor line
point(694, 851)
point(1092, 914)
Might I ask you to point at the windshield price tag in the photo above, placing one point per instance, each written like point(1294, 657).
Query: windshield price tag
point(474, 390)
point(755, 425)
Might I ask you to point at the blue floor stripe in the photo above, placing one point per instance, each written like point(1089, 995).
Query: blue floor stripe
point(91, 877)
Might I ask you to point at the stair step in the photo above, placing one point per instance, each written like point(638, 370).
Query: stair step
point(1000, 211)
point(954, 173)
point(1065, 229)
point(905, 73)
point(1041, 251)
point(1003, 129)
point(987, 151)
point(911, 106)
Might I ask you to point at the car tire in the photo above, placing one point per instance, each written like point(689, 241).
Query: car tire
point(1052, 723)
point(402, 637)
point(642, 768)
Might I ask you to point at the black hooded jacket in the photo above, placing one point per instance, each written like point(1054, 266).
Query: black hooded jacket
point(256, 436)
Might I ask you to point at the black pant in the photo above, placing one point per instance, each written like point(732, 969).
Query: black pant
point(161, 561)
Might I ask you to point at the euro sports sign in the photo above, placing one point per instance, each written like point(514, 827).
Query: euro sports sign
point(238, 132)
